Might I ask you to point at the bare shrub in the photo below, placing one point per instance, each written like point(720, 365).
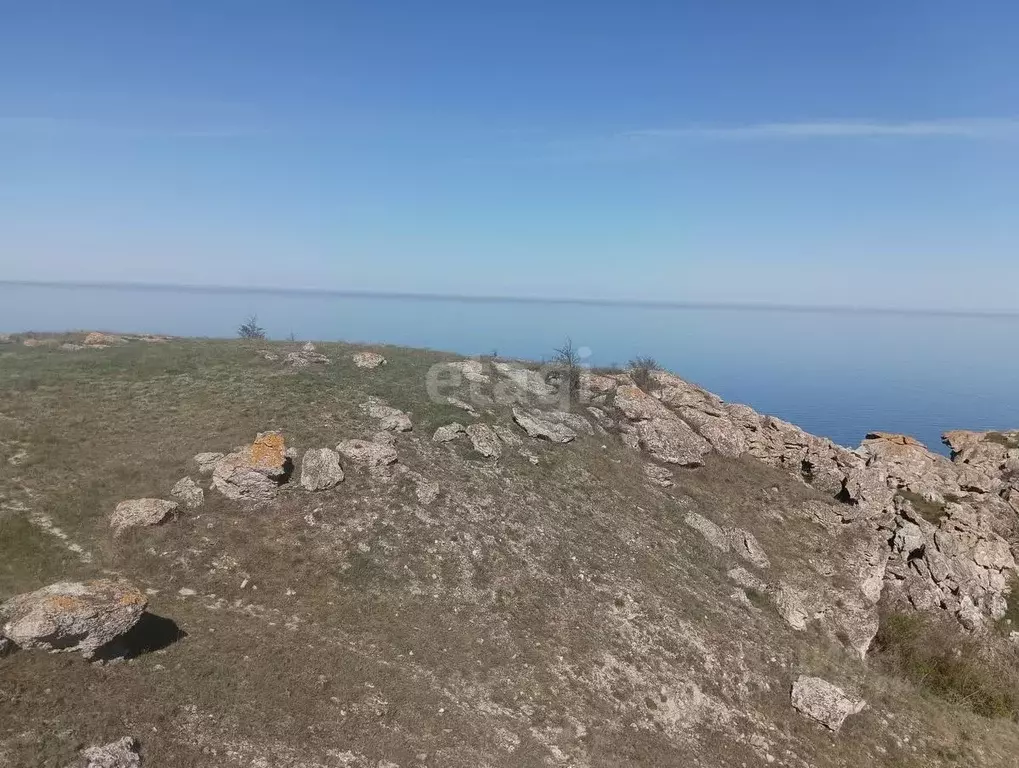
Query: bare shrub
point(567, 367)
point(641, 370)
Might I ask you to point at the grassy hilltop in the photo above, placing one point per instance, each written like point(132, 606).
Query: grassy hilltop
point(548, 608)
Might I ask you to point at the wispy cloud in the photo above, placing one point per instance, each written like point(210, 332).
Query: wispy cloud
point(968, 128)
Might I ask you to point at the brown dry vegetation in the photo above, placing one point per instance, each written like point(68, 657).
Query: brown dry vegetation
point(552, 615)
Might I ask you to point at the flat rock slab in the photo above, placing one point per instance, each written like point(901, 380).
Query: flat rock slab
point(536, 425)
point(390, 419)
point(826, 703)
point(321, 470)
point(372, 454)
point(136, 513)
point(73, 616)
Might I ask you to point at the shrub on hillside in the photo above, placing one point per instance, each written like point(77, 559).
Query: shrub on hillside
point(641, 370)
point(980, 672)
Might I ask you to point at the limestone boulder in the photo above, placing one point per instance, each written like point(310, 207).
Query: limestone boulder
point(448, 432)
point(672, 441)
point(122, 753)
point(390, 419)
point(826, 703)
point(536, 425)
point(207, 461)
point(724, 436)
point(375, 455)
point(485, 440)
point(188, 493)
point(368, 360)
point(140, 513)
point(321, 470)
point(256, 472)
point(72, 616)
point(96, 339)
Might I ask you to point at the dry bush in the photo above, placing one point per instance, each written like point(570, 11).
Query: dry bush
point(978, 672)
point(642, 370)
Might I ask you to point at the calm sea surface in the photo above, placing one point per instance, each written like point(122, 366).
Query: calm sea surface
point(839, 374)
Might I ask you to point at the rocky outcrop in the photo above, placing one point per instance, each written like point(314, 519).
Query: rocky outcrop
point(139, 513)
point(373, 454)
point(826, 703)
point(659, 476)
point(538, 425)
point(96, 339)
point(939, 533)
point(368, 359)
point(448, 432)
point(188, 493)
point(485, 441)
point(304, 357)
point(390, 419)
point(320, 469)
point(122, 753)
point(72, 616)
point(256, 472)
point(659, 431)
point(207, 461)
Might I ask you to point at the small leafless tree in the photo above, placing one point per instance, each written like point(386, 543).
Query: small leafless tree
point(567, 365)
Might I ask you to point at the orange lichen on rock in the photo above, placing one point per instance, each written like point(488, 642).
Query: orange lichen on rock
point(132, 598)
point(63, 603)
point(268, 452)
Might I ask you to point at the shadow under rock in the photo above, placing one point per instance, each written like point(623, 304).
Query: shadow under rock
point(151, 633)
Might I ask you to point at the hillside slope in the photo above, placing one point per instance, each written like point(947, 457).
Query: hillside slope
point(645, 592)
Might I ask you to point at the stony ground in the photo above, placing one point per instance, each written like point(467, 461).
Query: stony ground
point(557, 613)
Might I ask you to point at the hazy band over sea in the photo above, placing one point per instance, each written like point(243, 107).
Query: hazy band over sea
point(839, 372)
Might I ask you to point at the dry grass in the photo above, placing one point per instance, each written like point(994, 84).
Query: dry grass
point(977, 672)
point(522, 620)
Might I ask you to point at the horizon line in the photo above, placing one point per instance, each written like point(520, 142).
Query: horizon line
point(740, 306)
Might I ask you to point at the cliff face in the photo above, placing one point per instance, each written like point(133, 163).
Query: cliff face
point(940, 533)
point(441, 562)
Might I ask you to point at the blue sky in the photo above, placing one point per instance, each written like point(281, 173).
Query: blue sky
point(859, 153)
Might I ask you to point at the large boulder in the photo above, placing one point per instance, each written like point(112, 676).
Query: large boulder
point(672, 441)
point(122, 753)
point(448, 432)
point(207, 461)
point(320, 469)
point(188, 492)
point(373, 454)
point(96, 339)
point(137, 513)
point(536, 425)
point(826, 703)
point(390, 419)
point(368, 359)
point(724, 436)
point(72, 616)
point(254, 473)
point(484, 440)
